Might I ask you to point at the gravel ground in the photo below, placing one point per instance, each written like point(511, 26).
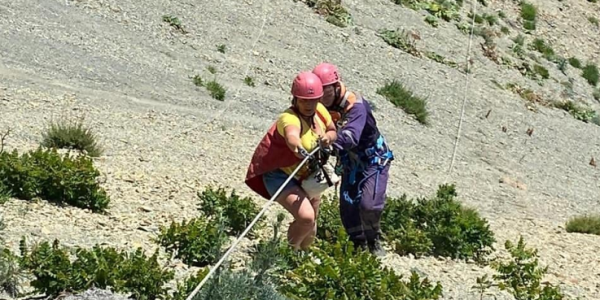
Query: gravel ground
point(129, 73)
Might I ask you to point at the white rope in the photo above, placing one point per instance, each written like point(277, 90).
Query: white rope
point(264, 209)
point(260, 32)
point(462, 113)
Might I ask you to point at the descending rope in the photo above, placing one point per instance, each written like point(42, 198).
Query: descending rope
point(466, 89)
point(264, 209)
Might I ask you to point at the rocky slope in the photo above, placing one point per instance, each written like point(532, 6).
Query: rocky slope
point(129, 73)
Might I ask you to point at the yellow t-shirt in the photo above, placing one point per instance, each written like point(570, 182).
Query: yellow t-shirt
point(308, 136)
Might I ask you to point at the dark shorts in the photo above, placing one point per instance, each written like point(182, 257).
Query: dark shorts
point(274, 180)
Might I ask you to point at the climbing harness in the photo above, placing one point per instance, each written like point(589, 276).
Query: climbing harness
point(322, 174)
point(379, 154)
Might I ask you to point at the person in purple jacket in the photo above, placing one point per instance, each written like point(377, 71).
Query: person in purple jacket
point(363, 157)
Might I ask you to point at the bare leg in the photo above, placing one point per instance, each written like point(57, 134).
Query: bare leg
point(310, 238)
point(300, 207)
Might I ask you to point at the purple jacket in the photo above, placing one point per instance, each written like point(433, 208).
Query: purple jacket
point(359, 129)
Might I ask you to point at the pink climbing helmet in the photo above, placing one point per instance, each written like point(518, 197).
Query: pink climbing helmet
point(307, 85)
point(327, 72)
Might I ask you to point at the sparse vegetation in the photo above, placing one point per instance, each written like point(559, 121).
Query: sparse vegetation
point(402, 97)
point(249, 81)
point(174, 22)
point(332, 10)
point(579, 112)
point(540, 46)
point(520, 275)
point(590, 73)
point(589, 224)
point(72, 135)
point(594, 21)
point(400, 39)
point(221, 48)
point(53, 177)
point(575, 63)
point(529, 15)
point(216, 90)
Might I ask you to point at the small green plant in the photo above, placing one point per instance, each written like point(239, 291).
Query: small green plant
point(237, 212)
point(249, 81)
point(329, 221)
point(518, 46)
point(198, 81)
point(529, 14)
point(216, 90)
point(221, 48)
point(5, 193)
point(101, 267)
point(174, 22)
point(53, 177)
point(211, 70)
point(590, 73)
point(439, 226)
point(546, 50)
point(440, 59)
point(400, 39)
point(521, 275)
point(541, 71)
point(505, 30)
point(575, 63)
point(11, 273)
point(596, 94)
point(332, 10)
point(577, 111)
point(594, 21)
point(402, 97)
point(71, 135)
point(197, 242)
point(432, 20)
point(589, 224)
point(491, 19)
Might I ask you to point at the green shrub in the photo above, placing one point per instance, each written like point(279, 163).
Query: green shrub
point(573, 61)
point(56, 178)
point(337, 270)
point(101, 267)
point(541, 71)
point(197, 242)
point(402, 97)
point(584, 224)
point(5, 193)
point(71, 135)
point(579, 112)
point(237, 212)
point(399, 39)
point(439, 226)
point(332, 10)
point(521, 276)
point(546, 50)
point(529, 14)
point(590, 73)
point(329, 221)
point(11, 274)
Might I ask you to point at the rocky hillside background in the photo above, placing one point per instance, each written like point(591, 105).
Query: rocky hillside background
point(529, 135)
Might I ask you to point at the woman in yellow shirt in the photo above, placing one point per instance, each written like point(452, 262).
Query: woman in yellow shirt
point(297, 132)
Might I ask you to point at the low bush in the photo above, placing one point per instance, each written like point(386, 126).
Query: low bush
point(402, 97)
point(439, 226)
point(578, 111)
point(520, 275)
point(100, 267)
point(237, 212)
point(71, 135)
point(591, 74)
point(197, 242)
point(57, 178)
point(589, 224)
point(332, 10)
point(338, 271)
point(329, 220)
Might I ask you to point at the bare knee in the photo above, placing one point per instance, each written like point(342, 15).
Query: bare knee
point(306, 216)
